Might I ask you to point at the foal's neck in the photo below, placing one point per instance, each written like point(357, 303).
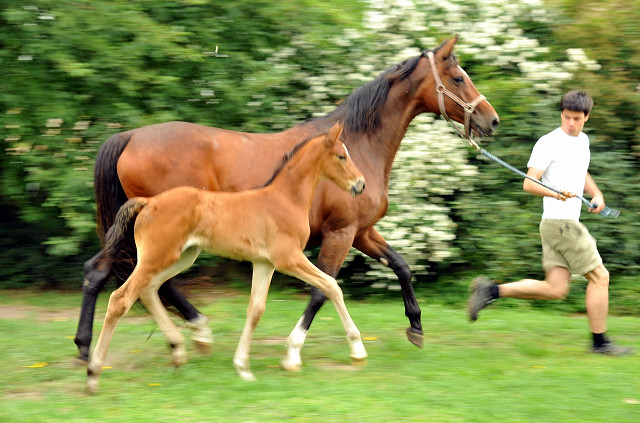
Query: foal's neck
point(299, 177)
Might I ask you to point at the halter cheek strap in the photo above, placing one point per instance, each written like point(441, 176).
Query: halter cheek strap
point(442, 91)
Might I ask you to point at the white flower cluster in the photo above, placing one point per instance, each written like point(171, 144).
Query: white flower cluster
point(432, 161)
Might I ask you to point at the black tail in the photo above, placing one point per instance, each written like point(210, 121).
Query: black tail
point(118, 238)
point(109, 192)
point(110, 197)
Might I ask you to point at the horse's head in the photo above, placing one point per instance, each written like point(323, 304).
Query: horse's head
point(337, 165)
point(457, 97)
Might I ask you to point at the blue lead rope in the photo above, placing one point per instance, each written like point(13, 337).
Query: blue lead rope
point(606, 212)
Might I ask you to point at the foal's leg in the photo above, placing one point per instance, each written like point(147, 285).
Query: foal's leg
point(301, 268)
point(120, 302)
point(334, 250)
point(97, 271)
point(260, 282)
point(196, 322)
point(152, 303)
point(373, 244)
point(151, 300)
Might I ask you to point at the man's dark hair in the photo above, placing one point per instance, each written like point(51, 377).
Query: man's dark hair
point(577, 101)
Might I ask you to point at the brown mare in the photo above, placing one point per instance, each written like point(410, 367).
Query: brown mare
point(152, 159)
point(268, 226)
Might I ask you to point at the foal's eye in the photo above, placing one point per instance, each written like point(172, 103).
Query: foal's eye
point(342, 158)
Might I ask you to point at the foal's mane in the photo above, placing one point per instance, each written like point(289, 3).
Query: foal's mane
point(287, 157)
point(364, 105)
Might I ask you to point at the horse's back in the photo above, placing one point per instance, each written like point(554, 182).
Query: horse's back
point(160, 157)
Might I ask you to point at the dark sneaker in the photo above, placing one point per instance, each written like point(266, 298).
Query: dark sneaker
point(609, 348)
point(480, 296)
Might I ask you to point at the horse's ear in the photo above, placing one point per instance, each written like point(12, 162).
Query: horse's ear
point(446, 48)
point(334, 133)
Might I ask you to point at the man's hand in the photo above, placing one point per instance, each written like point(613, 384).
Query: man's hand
point(564, 196)
point(598, 200)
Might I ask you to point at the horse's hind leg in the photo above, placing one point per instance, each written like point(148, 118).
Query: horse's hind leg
point(301, 268)
point(96, 273)
point(335, 246)
point(260, 282)
point(196, 322)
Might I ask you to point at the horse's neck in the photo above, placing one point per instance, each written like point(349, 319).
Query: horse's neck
point(400, 108)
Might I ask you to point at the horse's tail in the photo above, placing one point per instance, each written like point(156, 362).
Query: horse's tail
point(117, 240)
point(108, 190)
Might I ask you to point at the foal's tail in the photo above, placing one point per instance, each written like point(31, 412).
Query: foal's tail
point(119, 234)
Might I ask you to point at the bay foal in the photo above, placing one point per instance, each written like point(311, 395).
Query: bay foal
point(268, 226)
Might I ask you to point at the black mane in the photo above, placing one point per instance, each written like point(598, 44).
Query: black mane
point(363, 106)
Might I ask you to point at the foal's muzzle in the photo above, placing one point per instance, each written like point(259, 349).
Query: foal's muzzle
point(357, 187)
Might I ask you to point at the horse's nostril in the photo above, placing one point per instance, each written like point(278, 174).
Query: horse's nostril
point(495, 123)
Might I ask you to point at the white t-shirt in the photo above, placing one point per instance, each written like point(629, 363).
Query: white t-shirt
point(564, 160)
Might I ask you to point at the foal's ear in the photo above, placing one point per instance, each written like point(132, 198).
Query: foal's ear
point(446, 48)
point(334, 134)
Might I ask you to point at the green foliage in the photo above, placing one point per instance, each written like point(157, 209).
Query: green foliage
point(76, 72)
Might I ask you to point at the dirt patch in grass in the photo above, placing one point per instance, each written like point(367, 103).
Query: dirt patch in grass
point(20, 311)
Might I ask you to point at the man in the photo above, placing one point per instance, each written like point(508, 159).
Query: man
point(561, 159)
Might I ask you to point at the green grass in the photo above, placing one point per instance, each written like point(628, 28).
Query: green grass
point(513, 365)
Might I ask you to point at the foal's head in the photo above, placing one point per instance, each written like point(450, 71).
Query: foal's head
point(337, 166)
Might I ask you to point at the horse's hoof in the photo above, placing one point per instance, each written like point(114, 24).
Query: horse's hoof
point(203, 348)
point(80, 361)
point(83, 354)
point(415, 337)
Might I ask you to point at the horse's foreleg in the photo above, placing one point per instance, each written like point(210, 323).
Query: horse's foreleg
point(373, 244)
point(293, 360)
point(96, 273)
point(335, 247)
point(196, 322)
point(301, 268)
point(260, 282)
point(120, 302)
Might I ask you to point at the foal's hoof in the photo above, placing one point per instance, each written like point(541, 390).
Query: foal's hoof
point(178, 356)
point(203, 348)
point(92, 386)
point(290, 366)
point(359, 362)
point(415, 337)
point(245, 373)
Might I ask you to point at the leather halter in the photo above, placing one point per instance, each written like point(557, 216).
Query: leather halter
point(442, 91)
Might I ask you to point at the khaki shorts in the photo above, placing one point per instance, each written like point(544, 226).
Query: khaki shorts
point(568, 243)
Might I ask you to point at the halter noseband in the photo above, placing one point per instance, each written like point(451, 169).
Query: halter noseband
point(468, 107)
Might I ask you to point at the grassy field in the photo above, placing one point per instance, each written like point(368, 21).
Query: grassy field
point(513, 365)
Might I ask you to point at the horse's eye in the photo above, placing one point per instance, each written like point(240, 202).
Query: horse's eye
point(342, 158)
point(458, 80)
